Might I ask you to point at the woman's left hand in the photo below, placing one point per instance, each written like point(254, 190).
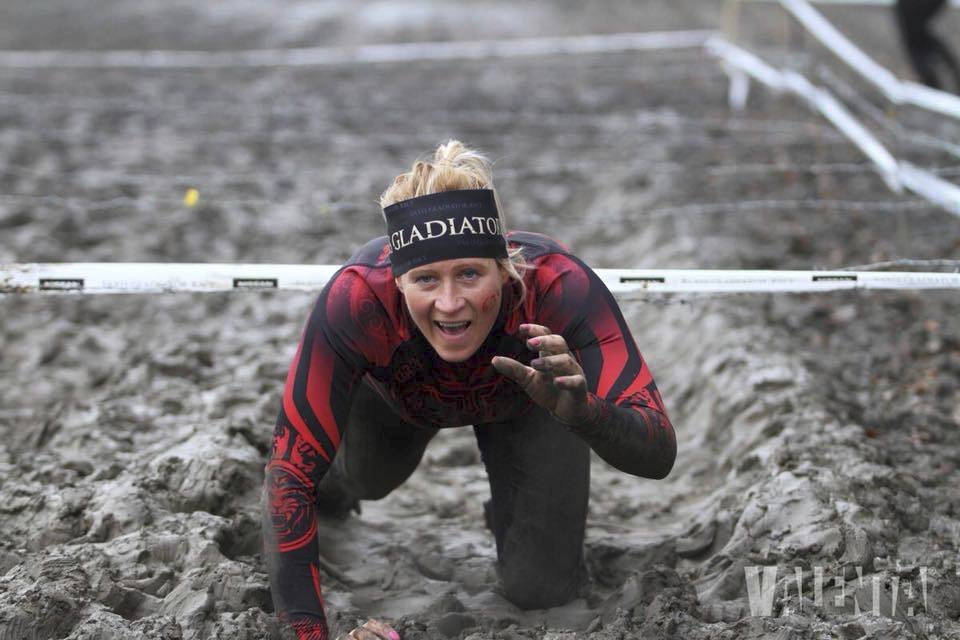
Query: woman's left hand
point(554, 379)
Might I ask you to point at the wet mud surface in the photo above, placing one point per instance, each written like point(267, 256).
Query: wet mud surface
point(818, 434)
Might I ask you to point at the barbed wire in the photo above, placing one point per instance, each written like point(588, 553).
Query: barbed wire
point(638, 121)
point(263, 205)
point(902, 134)
point(613, 124)
point(36, 102)
point(906, 262)
point(713, 208)
point(200, 177)
point(360, 55)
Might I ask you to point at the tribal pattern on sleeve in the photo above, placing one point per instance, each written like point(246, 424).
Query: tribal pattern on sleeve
point(344, 329)
point(359, 332)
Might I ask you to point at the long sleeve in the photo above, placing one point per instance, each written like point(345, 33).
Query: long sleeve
point(316, 406)
point(627, 426)
point(634, 439)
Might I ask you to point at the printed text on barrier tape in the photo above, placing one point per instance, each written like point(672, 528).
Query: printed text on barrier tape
point(61, 284)
point(255, 283)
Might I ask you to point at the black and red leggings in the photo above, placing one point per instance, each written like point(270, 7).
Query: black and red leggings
point(539, 476)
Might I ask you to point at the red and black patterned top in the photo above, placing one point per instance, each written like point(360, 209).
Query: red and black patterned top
point(360, 331)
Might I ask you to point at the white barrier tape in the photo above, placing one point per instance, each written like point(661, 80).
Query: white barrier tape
point(889, 85)
point(143, 277)
point(904, 135)
point(740, 58)
point(931, 99)
point(621, 281)
point(836, 113)
point(320, 56)
point(933, 188)
point(896, 174)
point(147, 277)
point(818, 98)
point(852, 55)
point(739, 89)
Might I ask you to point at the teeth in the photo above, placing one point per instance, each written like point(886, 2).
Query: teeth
point(452, 325)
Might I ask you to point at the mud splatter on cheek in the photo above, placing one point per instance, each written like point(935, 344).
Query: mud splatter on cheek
point(490, 302)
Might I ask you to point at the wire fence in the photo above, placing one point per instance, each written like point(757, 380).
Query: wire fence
point(168, 190)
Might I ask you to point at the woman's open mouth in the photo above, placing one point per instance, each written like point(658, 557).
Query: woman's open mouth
point(453, 328)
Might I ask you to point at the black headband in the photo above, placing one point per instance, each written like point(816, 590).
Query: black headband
point(444, 226)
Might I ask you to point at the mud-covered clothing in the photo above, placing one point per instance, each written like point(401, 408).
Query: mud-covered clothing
point(539, 476)
point(360, 336)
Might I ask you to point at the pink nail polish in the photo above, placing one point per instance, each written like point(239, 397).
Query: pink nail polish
point(394, 635)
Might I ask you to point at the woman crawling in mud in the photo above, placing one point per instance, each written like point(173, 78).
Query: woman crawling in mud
point(448, 321)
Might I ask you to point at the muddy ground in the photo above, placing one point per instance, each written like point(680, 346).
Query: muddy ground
point(817, 433)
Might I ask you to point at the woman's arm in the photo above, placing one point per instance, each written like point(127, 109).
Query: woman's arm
point(589, 373)
point(635, 439)
point(330, 359)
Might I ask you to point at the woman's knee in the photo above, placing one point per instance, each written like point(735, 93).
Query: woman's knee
point(358, 481)
point(374, 488)
point(541, 585)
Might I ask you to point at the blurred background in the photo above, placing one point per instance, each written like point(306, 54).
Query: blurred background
point(814, 430)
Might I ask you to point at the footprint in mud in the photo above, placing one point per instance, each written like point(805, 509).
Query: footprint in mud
point(242, 539)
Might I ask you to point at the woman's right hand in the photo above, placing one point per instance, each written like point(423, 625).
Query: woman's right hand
point(372, 630)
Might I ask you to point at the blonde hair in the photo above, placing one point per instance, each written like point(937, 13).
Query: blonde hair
point(456, 166)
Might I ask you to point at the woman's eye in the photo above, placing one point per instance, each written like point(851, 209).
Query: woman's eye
point(423, 279)
point(470, 273)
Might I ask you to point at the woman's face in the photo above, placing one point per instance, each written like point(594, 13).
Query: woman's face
point(454, 303)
